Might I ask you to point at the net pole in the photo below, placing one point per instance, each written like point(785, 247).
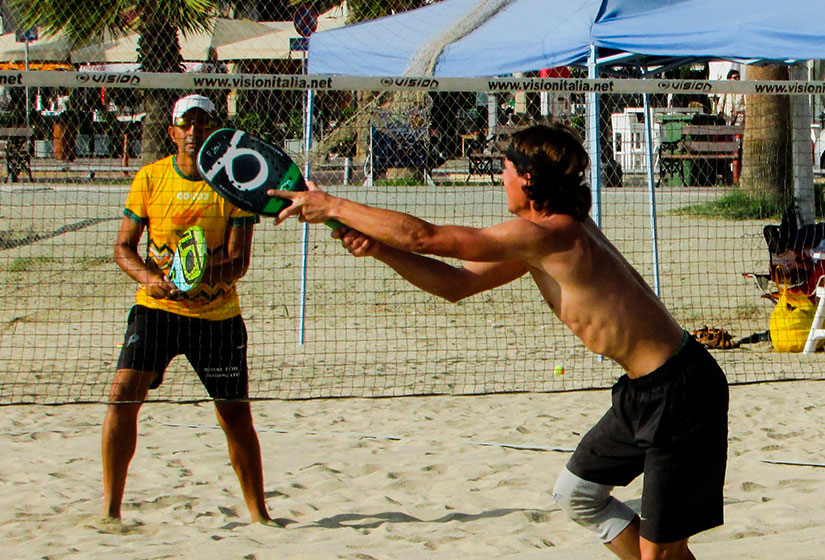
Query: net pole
point(371, 157)
point(28, 117)
point(305, 231)
point(593, 138)
point(651, 186)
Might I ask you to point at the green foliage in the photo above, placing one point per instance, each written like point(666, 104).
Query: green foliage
point(253, 123)
point(398, 183)
point(90, 262)
point(83, 21)
point(262, 125)
point(295, 126)
point(739, 205)
point(27, 264)
point(577, 122)
point(347, 113)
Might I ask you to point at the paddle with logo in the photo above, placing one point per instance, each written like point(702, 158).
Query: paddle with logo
point(241, 168)
point(189, 261)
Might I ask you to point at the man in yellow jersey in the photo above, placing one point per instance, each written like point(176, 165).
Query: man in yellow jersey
point(205, 324)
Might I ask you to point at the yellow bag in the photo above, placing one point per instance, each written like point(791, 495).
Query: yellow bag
point(791, 321)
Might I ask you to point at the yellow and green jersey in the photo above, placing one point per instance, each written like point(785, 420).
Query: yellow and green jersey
point(168, 203)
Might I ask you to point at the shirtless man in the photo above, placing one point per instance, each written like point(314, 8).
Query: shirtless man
point(668, 419)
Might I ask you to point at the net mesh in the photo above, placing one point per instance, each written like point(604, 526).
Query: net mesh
point(324, 324)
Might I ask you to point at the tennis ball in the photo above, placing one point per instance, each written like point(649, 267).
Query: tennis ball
point(558, 370)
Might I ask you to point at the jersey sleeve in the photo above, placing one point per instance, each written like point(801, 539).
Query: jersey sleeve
point(136, 202)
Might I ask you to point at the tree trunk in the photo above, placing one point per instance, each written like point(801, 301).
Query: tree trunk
point(766, 144)
point(364, 100)
point(158, 51)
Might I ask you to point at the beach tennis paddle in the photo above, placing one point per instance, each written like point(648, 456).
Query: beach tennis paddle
point(241, 168)
point(189, 261)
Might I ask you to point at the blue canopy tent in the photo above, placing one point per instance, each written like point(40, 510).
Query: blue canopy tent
point(476, 38)
point(387, 46)
point(730, 29)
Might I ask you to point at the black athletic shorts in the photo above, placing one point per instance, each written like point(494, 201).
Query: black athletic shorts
point(671, 425)
point(216, 349)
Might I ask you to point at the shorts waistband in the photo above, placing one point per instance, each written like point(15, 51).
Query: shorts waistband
point(686, 352)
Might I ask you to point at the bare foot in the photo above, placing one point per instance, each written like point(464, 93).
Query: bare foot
point(108, 525)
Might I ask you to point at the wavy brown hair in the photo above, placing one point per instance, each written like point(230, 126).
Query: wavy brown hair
point(556, 160)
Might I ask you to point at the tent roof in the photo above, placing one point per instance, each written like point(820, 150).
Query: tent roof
point(730, 29)
point(524, 35)
point(386, 46)
point(46, 49)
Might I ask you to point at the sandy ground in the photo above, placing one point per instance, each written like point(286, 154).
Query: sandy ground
point(410, 477)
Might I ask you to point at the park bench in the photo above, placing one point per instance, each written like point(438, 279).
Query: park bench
point(485, 155)
point(711, 147)
point(16, 150)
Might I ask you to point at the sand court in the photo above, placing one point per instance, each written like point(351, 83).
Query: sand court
point(411, 477)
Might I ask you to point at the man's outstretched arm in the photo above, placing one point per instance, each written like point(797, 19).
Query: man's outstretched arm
point(516, 239)
point(432, 275)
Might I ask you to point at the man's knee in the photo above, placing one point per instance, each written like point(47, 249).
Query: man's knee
point(234, 416)
point(131, 386)
point(590, 505)
point(657, 551)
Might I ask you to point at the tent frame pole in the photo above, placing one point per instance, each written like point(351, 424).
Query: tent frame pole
point(593, 141)
point(594, 144)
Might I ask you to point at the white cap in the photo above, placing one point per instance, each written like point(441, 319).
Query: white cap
point(189, 102)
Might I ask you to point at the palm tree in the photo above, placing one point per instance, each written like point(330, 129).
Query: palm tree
point(157, 23)
point(766, 145)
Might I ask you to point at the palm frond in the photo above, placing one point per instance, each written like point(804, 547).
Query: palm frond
point(83, 21)
point(80, 20)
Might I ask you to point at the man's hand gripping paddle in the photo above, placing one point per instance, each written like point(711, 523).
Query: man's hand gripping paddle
point(242, 168)
point(189, 261)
